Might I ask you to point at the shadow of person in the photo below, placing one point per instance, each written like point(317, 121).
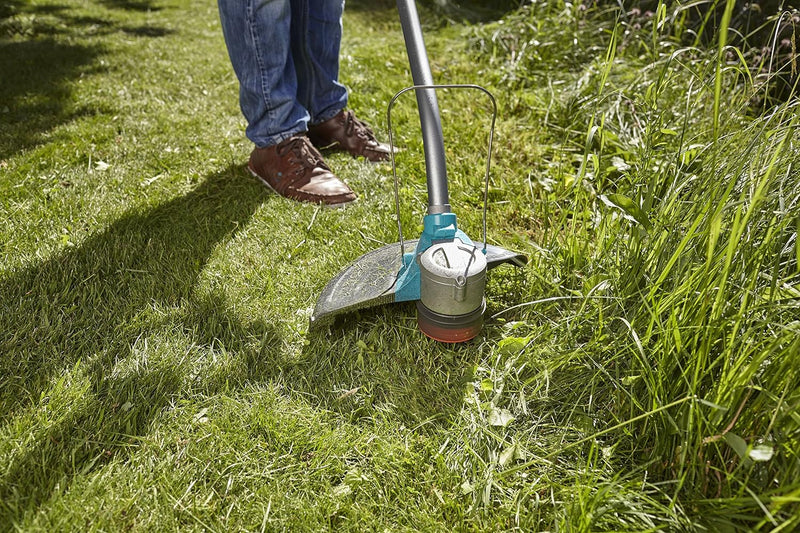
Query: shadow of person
point(99, 340)
point(80, 304)
point(72, 327)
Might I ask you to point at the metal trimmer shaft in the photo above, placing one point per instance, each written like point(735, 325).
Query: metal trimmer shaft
point(432, 137)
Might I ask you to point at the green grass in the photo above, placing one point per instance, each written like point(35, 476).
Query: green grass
point(156, 372)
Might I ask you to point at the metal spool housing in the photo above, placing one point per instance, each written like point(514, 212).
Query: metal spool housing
point(452, 283)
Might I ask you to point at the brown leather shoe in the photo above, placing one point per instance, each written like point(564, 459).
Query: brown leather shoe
point(345, 132)
point(295, 169)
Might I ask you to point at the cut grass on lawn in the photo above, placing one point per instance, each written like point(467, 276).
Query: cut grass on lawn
point(156, 372)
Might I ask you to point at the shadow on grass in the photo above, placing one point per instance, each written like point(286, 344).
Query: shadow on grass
point(76, 328)
point(80, 302)
point(132, 5)
point(39, 67)
point(97, 341)
point(35, 96)
point(377, 363)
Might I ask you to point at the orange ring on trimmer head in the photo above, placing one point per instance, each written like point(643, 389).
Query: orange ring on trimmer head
point(446, 328)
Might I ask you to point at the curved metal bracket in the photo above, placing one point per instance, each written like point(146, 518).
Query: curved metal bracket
point(392, 150)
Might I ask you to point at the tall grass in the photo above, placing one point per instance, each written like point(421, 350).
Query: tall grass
point(660, 356)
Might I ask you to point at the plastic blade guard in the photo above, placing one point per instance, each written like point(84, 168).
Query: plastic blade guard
point(370, 281)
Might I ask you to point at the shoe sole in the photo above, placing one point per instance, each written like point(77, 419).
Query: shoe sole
point(265, 182)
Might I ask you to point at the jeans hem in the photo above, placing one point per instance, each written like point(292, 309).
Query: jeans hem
point(327, 115)
point(278, 138)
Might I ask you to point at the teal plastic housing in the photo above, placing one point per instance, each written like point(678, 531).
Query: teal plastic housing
point(436, 228)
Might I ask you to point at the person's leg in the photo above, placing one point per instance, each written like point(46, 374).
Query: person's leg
point(316, 37)
point(257, 34)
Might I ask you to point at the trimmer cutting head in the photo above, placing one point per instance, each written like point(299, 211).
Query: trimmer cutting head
point(446, 272)
point(371, 280)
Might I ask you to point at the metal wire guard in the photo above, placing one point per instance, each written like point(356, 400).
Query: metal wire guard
point(394, 166)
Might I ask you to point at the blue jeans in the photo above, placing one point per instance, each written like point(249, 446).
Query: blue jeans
point(286, 56)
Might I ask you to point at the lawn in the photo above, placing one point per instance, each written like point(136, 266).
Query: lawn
point(641, 373)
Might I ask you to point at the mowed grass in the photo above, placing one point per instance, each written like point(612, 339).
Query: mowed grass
point(156, 369)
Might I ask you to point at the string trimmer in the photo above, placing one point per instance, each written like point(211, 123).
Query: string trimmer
point(446, 272)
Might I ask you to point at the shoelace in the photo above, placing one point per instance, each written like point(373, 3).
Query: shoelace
point(352, 124)
point(301, 148)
